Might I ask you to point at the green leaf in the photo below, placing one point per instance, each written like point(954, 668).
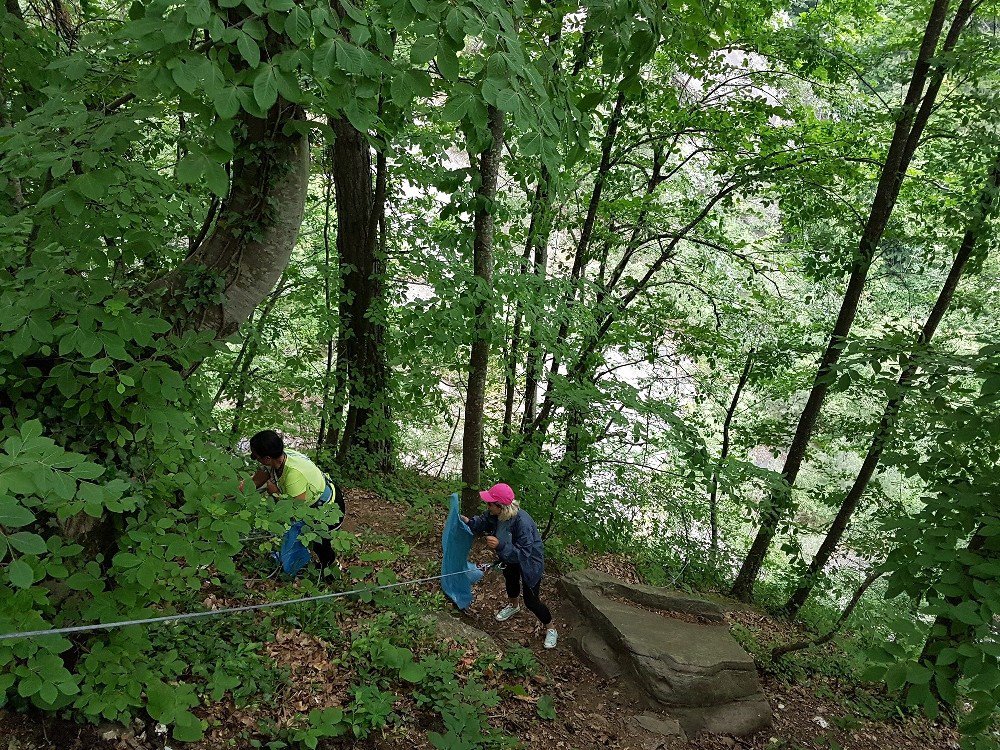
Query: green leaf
point(350, 57)
point(455, 23)
point(217, 179)
point(188, 727)
point(89, 344)
point(20, 574)
point(12, 513)
point(280, 5)
point(191, 168)
point(413, 672)
point(917, 674)
point(968, 613)
point(29, 685)
point(28, 543)
point(160, 702)
point(100, 365)
point(265, 87)
point(400, 91)
point(80, 581)
point(52, 197)
point(507, 100)
point(362, 118)
point(248, 49)
point(126, 560)
point(227, 102)
point(423, 50)
point(457, 106)
point(89, 187)
point(447, 62)
point(895, 676)
point(198, 12)
point(298, 25)
point(325, 58)
point(354, 11)
point(545, 708)
point(184, 75)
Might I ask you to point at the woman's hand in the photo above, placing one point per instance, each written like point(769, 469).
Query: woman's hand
point(492, 542)
point(465, 519)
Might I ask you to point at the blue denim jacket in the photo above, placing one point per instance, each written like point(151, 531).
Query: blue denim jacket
point(524, 548)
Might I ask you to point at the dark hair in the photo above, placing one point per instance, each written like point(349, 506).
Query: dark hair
point(267, 444)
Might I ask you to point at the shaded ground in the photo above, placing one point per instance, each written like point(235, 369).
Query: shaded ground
point(591, 712)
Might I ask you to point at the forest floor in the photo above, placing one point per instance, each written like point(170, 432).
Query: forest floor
point(811, 712)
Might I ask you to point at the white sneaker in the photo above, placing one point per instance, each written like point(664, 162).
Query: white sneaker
point(551, 636)
point(507, 612)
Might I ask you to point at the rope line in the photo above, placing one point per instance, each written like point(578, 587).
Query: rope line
point(224, 610)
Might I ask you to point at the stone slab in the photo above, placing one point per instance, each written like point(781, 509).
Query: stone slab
point(662, 725)
point(590, 647)
point(694, 671)
point(648, 596)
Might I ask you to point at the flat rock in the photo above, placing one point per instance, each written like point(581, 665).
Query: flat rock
point(595, 651)
point(661, 725)
point(448, 626)
point(655, 597)
point(694, 671)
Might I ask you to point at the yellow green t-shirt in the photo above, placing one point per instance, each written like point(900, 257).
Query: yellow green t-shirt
point(300, 475)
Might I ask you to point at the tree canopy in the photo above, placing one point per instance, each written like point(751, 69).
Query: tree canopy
point(712, 283)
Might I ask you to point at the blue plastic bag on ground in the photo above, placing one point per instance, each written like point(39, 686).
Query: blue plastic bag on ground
point(456, 541)
point(293, 555)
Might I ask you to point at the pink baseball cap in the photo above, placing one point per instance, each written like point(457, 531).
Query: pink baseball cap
point(498, 493)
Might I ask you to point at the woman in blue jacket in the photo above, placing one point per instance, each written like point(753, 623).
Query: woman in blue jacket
point(513, 535)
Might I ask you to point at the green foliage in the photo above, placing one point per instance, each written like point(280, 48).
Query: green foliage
point(545, 708)
point(727, 192)
point(519, 662)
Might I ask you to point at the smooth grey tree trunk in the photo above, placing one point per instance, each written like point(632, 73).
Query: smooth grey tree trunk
point(255, 230)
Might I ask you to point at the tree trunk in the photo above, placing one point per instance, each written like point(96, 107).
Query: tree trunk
point(510, 371)
point(472, 438)
point(536, 244)
point(255, 229)
point(532, 430)
point(366, 441)
point(569, 465)
point(540, 241)
point(906, 136)
point(325, 416)
point(713, 509)
point(985, 208)
point(247, 355)
point(589, 222)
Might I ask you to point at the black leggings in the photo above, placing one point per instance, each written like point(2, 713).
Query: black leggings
point(322, 547)
point(512, 577)
point(324, 552)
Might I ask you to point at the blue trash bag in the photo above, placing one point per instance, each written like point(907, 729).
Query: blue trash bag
point(293, 555)
point(456, 541)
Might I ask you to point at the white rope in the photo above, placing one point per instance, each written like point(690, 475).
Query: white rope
point(223, 611)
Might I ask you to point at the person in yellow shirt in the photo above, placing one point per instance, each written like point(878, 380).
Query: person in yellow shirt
point(287, 472)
